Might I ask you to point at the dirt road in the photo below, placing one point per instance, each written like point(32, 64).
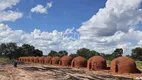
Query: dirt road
point(49, 72)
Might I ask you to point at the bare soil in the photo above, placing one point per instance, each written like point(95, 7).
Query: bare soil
point(32, 71)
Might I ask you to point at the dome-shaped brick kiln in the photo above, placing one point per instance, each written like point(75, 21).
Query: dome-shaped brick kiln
point(79, 62)
point(96, 63)
point(65, 61)
point(55, 60)
point(123, 65)
point(47, 59)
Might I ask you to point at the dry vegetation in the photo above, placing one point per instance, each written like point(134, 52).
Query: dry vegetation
point(139, 64)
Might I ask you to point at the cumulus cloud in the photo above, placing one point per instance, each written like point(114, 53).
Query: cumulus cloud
point(116, 16)
point(9, 15)
point(114, 26)
point(7, 4)
point(45, 41)
point(140, 42)
point(41, 8)
point(56, 40)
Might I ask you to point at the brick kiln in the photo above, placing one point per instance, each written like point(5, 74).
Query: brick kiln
point(79, 62)
point(36, 59)
point(55, 60)
point(41, 59)
point(96, 63)
point(47, 59)
point(65, 61)
point(123, 65)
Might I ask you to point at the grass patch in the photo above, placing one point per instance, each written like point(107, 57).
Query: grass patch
point(5, 60)
point(2, 59)
point(139, 64)
point(108, 63)
point(3, 71)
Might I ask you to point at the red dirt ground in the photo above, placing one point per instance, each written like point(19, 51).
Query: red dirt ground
point(35, 71)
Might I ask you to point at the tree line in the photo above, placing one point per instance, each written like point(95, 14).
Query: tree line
point(87, 53)
point(11, 50)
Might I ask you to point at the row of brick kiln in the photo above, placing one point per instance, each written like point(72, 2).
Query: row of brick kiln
point(118, 65)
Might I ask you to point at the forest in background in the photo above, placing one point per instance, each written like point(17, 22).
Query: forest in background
point(11, 50)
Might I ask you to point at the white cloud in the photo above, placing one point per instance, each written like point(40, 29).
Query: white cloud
point(7, 4)
point(9, 35)
point(49, 5)
point(116, 16)
point(45, 41)
point(140, 43)
point(41, 8)
point(114, 26)
point(9, 15)
point(55, 40)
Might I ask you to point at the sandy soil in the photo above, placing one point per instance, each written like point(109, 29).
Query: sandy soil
point(49, 72)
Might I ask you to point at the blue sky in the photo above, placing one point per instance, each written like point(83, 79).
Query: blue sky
point(62, 15)
point(100, 25)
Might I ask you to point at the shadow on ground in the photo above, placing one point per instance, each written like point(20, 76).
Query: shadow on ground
point(62, 72)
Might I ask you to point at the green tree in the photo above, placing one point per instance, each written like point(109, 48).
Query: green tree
point(137, 53)
point(11, 47)
point(128, 55)
point(11, 50)
point(62, 53)
point(8, 49)
point(83, 52)
point(92, 53)
point(117, 53)
point(19, 52)
point(3, 49)
point(86, 53)
point(73, 55)
point(37, 52)
point(28, 50)
point(107, 56)
point(53, 53)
